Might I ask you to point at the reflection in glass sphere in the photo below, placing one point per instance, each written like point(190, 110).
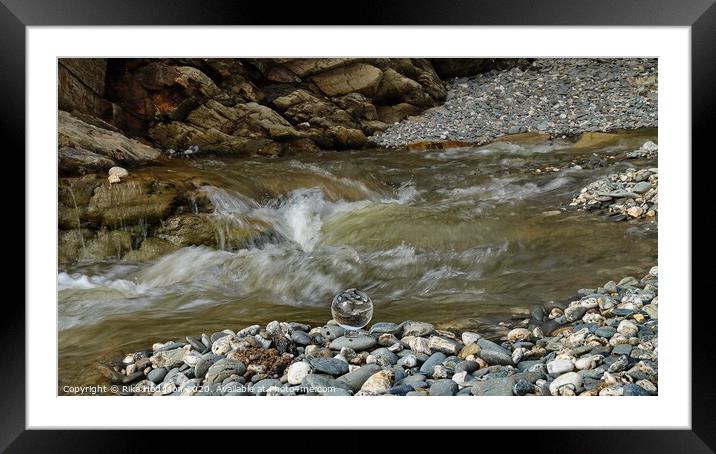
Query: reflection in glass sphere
point(352, 309)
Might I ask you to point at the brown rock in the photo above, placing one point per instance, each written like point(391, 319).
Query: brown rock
point(74, 133)
point(214, 115)
point(206, 230)
point(398, 112)
point(303, 67)
point(357, 105)
point(131, 202)
point(81, 84)
point(301, 106)
point(396, 87)
point(77, 161)
point(108, 244)
point(150, 249)
point(301, 146)
point(255, 120)
point(347, 137)
point(356, 77)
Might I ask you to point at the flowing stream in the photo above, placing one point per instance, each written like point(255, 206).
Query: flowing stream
point(459, 237)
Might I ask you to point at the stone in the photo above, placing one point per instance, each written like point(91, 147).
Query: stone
point(560, 366)
point(379, 382)
point(75, 133)
point(400, 390)
point(470, 349)
point(466, 366)
point(332, 332)
point(443, 387)
point(388, 340)
point(298, 371)
point(355, 379)
point(519, 334)
point(588, 362)
point(356, 77)
point(384, 328)
point(78, 161)
point(441, 344)
point(222, 345)
point(631, 389)
point(627, 328)
point(418, 344)
point(408, 361)
point(411, 328)
point(469, 337)
point(605, 331)
point(641, 187)
point(628, 281)
point(382, 357)
point(168, 358)
point(261, 387)
point(493, 353)
point(331, 366)
point(223, 369)
point(157, 375)
point(493, 387)
point(571, 380)
point(357, 343)
point(523, 387)
point(575, 312)
point(652, 310)
point(300, 338)
point(428, 366)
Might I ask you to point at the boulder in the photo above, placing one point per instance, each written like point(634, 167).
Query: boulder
point(74, 133)
point(134, 201)
point(78, 161)
point(355, 77)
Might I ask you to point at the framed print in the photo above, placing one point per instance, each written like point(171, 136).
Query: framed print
point(448, 215)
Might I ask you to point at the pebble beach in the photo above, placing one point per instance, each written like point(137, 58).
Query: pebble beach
point(602, 343)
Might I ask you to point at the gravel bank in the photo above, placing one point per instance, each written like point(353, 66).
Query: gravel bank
point(604, 343)
point(562, 97)
point(631, 194)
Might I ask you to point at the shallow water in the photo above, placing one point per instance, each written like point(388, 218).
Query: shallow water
point(460, 238)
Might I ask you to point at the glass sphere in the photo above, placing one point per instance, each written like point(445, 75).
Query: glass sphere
point(352, 309)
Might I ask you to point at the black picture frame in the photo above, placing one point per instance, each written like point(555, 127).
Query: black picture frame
point(16, 15)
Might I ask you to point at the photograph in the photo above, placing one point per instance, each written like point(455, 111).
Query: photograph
point(358, 226)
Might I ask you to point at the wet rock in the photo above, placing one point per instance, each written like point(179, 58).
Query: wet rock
point(411, 328)
point(168, 358)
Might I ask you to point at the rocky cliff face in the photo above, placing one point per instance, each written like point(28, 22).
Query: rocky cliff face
point(131, 112)
point(236, 106)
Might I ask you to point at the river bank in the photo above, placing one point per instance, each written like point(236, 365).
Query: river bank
point(604, 343)
point(558, 97)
